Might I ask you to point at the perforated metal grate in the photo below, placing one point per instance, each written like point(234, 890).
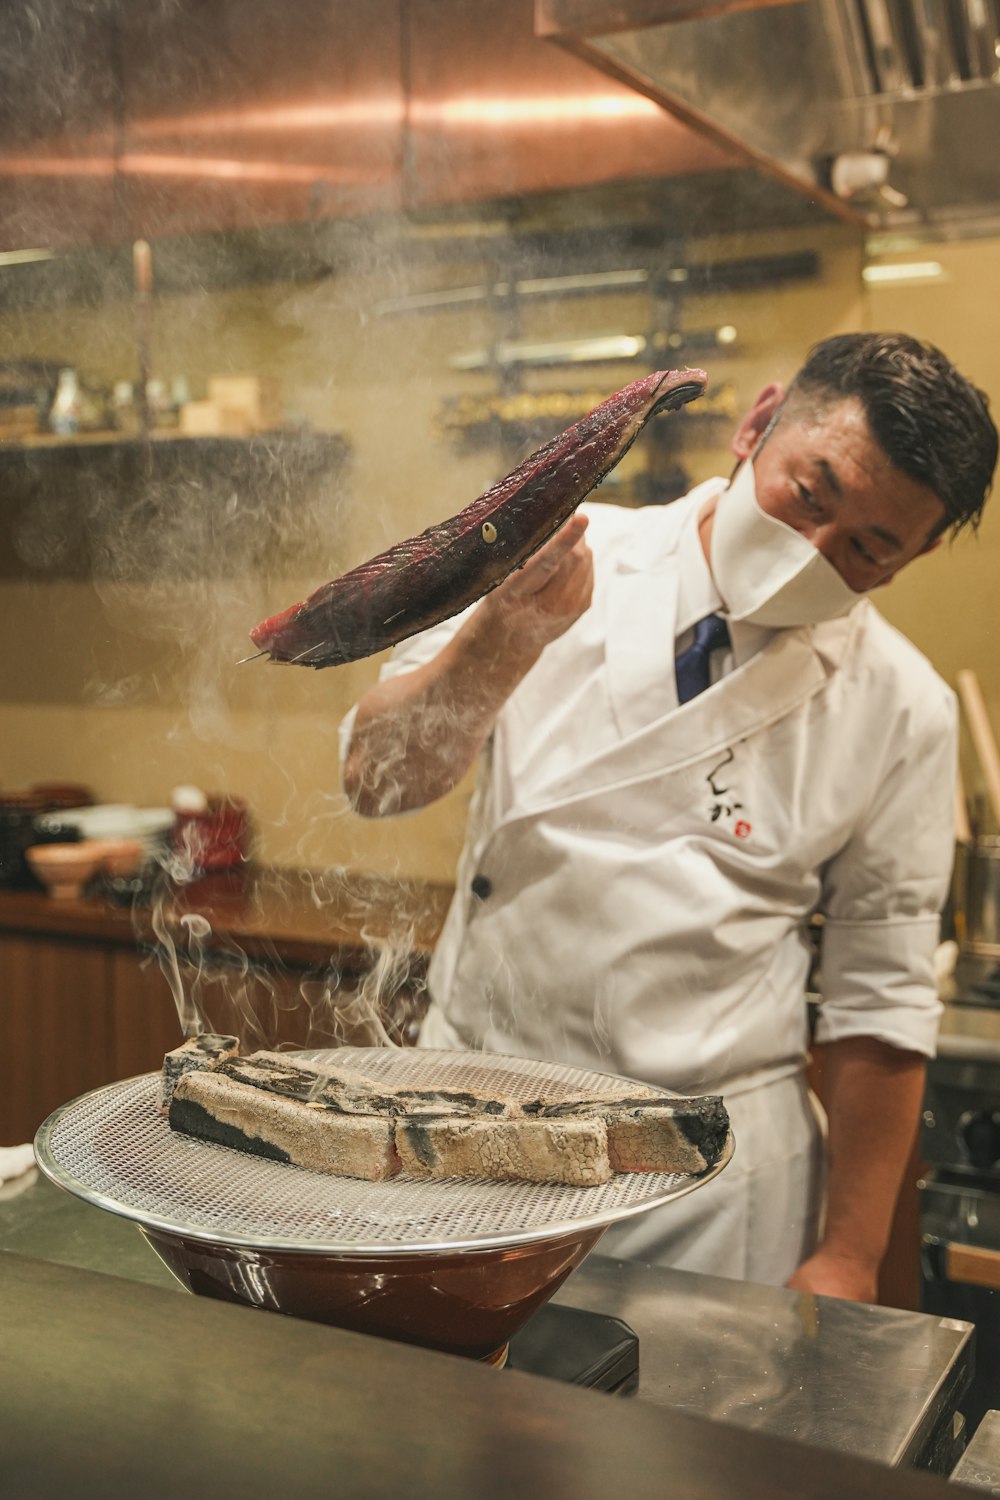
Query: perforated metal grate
point(113, 1148)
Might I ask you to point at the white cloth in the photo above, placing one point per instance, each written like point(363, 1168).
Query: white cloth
point(17, 1169)
point(15, 1161)
point(646, 872)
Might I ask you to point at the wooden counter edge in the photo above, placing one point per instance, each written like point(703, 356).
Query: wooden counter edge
point(286, 930)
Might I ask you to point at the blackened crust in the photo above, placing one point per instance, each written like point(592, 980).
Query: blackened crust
point(192, 1119)
point(705, 1124)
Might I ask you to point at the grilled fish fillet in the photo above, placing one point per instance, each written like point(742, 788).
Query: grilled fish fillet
point(338, 1120)
point(218, 1108)
point(199, 1053)
point(574, 1152)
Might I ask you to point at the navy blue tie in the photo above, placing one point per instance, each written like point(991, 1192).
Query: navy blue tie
point(692, 666)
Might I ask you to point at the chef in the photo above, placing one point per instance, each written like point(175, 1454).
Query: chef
point(696, 734)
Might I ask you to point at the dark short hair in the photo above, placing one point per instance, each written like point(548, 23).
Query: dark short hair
point(930, 421)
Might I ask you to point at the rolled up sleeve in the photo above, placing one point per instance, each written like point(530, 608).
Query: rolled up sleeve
point(883, 893)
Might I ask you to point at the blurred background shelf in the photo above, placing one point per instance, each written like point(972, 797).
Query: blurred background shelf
point(238, 494)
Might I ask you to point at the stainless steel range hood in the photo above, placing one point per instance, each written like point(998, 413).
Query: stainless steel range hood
point(885, 111)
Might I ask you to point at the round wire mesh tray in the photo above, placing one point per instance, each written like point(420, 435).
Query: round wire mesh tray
point(113, 1148)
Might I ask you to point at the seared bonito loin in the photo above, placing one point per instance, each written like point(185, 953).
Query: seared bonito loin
point(431, 577)
point(654, 1133)
point(329, 1118)
point(199, 1053)
point(677, 1135)
point(215, 1107)
point(570, 1151)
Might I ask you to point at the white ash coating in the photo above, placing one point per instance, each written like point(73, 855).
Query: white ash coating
point(343, 1145)
point(574, 1152)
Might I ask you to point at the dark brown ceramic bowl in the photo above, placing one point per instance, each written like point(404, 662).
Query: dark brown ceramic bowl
point(469, 1303)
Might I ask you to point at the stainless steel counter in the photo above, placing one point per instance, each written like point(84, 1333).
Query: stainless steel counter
point(111, 1389)
point(872, 1382)
point(979, 1467)
point(970, 1031)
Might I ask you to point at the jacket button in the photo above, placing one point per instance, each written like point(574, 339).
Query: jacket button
point(482, 887)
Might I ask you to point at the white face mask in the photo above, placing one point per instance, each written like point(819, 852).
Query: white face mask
point(769, 573)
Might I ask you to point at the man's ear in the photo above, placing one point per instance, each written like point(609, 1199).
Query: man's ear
point(930, 546)
point(753, 426)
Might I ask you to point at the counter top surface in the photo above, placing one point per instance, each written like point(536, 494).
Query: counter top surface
point(841, 1375)
point(112, 1389)
point(970, 1031)
point(300, 915)
point(969, 1027)
point(979, 1466)
point(863, 1380)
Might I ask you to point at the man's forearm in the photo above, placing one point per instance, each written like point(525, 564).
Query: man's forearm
point(416, 735)
point(873, 1094)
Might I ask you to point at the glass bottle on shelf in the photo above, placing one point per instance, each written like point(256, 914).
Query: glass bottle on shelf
point(64, 415)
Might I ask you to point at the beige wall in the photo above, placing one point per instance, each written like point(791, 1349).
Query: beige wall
point(133, 689)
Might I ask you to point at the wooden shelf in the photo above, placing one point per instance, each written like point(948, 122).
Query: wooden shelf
point(535, 417)
point(170, 437)
point(109, 438)
point(183, 505)
point(299, 917)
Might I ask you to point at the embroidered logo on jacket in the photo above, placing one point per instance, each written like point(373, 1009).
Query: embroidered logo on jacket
point(725, 799)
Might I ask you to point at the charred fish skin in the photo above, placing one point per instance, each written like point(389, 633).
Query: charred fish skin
point(188, 1117)
point(433, 576)
point(338, 1091)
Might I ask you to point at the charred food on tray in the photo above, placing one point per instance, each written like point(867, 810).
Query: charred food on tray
point(328, 1118)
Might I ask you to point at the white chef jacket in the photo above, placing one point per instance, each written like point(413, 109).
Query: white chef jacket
point(638, 876)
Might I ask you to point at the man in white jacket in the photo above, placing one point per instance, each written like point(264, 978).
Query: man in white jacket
point(695, 733)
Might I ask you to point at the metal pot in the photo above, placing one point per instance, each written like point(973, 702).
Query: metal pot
point(981, 896)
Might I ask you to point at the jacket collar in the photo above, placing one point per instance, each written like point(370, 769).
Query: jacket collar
point(658, 738)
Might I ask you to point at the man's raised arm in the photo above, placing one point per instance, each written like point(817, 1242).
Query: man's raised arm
point(416, 734)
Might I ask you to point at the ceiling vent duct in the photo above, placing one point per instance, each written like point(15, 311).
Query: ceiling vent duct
point(885, 111)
